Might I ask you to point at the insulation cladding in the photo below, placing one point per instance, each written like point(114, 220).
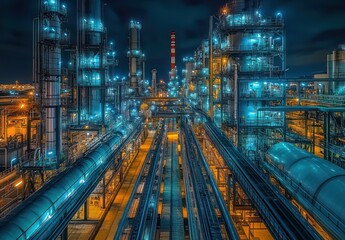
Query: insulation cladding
point(336, 69)
point(48, 37)
point(136, 58)
point(92, 62)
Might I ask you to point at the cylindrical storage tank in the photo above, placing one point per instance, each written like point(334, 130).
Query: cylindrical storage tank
point(318, 185)
point(336, 69)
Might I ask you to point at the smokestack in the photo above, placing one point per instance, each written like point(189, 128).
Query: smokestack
point(173, 56)
point(154, 82)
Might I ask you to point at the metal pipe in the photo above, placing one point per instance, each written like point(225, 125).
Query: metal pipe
point(236, 93)
point(316, 184)
point(210, 83)
point(229, 224)
point(274, 208)
point(48, 211)
point(6, 155)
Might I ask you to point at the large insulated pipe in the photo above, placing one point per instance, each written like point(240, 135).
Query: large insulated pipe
point(47, 212)
point(51, 14)
point(317, 184)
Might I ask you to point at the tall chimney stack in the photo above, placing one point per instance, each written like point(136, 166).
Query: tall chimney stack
point(173, 56)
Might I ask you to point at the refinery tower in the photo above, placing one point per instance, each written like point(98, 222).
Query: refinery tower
point(92, 63)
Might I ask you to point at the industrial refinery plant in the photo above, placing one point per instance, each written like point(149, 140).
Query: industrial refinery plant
point(223, 145)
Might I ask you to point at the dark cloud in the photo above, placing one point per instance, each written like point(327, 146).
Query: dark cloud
point(326, 35)
point(194, 2)
point(314, 28)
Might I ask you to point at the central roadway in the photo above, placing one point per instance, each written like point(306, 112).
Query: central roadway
point(111, 221)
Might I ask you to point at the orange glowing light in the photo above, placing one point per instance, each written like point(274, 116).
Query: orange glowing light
point(225, 10)
point(18, 183)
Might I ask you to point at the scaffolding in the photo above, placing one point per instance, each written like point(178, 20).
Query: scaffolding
point(252, 48)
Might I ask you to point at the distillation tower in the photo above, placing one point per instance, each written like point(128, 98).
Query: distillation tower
point(252, 53)
point(48, 37)
point(188, 74)
point(336, 69)
point(92, 63)
point(136, 69)
point(197, 74)
point(238, 70)
point(154, 82)
point(136, 59)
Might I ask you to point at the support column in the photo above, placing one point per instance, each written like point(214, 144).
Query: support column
point(86, 209)
point(284, 127)
point(228, 193)
point(306, 124)
point(28, 134)
point(121, 167)
point(218, 180)
point(326, 135)
point(104, 193)
point(234, 193)
point(64, 234)
point(313, 147)
point(210, 83)
point(298, 94)
point(236, 105)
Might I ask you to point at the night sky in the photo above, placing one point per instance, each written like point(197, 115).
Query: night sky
point(314, 28)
